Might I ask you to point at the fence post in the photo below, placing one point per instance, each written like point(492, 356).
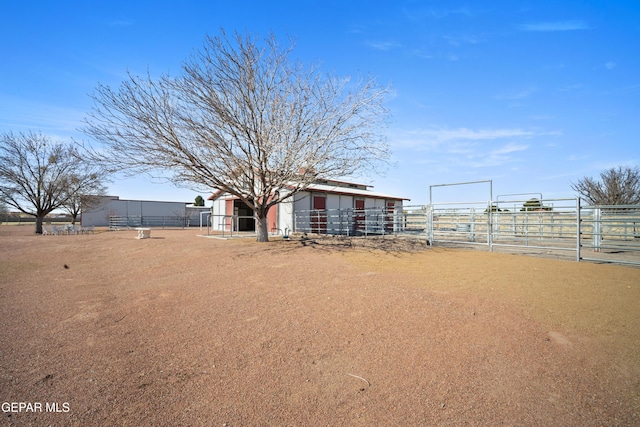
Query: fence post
point(366, 223)
point(540, 225)
point(490, 225)
point(597, 229)
point(578, 230)
point(429, 224)
point(472, 226)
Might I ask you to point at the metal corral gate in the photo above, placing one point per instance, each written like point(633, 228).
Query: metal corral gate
point(120, 222)
point(560, 227)
point(410, 220)
point(556, 226)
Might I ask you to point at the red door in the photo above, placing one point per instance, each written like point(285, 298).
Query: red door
point(358, 215)
point(272, 219)
point(319, 215)
point(229, 210)
point(388, 219)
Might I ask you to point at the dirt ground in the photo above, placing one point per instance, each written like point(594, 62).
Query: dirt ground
point(178, 329)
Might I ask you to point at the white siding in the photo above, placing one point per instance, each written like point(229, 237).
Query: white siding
point(218, 211)
point(285, 216)
point(333, 201)
point(302, 203)
point(334, 219)
point(346, 202)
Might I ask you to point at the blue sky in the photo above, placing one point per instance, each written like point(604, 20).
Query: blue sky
point(531, 95)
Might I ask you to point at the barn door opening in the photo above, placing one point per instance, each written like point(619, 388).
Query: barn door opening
point(244, 213)
point(388, 219)
point(319, 215)
point(358, 215)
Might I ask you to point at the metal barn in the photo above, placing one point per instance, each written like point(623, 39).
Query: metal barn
point(362, 210)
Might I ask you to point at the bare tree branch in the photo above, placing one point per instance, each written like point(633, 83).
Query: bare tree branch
point(617, 186)
point(242, 117)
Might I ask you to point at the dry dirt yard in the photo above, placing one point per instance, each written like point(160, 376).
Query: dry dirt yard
point(183, 330)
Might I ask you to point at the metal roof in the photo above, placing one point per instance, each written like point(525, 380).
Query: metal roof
point(334, 189)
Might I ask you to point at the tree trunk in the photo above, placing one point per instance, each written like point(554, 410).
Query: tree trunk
point(262, 228)
point(39, 221)
point(74, 217)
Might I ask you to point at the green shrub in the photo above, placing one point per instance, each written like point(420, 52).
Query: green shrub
point(532, 205)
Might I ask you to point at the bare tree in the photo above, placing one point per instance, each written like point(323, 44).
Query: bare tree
point(89, 180)
point(38, 175)
point(85, 200)
point(245, 119)
point(617, 186)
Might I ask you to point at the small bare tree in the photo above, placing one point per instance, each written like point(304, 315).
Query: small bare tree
point(38, 175)
point(85, 200)
point(244, 119)
point(617, 186)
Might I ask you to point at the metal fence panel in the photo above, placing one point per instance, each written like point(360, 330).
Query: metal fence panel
point(611, 233)
point(362, 222)
point(560, 227)
point(553, 226)
point(124, 222)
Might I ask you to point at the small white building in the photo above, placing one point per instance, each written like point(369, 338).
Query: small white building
point(326, 207)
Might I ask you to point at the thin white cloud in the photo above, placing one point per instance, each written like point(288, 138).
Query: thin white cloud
point(610, 65)
point(465, 147)
point(421, 54)
point(487, 162)
point(392, 94)
point(383, 45)
point(440, 14)
point(357, 28)
point(421, 14)
point(541, 117)
point(522, 94)
point(577, 157)
point(422, 105)
point(465, 134)
point(631, 89)
point(555, 26)
point(509, 148)
point(459, 40)
point(572, 87)
point(558, 66)
point(20, 115)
